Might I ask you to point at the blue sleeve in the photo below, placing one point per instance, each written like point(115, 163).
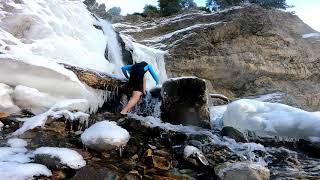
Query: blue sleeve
point(125, 69)
point(153, 74)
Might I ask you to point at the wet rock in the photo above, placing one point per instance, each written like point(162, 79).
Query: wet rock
point(234, 134)
point(155, 92)
point(91, 172)
point(49, 161)
point(133, 175)
point(194, 155)
point(59, 174)
point(242, 171)
point(310, 148)
point(161, 163)
point(185, 101)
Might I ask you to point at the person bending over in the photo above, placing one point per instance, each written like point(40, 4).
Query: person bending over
point(137, 82)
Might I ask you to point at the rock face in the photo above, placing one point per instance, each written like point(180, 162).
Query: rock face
point(184, 101)
point(241, 52)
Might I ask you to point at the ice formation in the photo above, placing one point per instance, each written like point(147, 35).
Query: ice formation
point(53, 29)
point(36, 35)
point(33, 100)
point(67, 156)
point(105, 135)
point(266, 118)
point(6, 103)
point(70, 109)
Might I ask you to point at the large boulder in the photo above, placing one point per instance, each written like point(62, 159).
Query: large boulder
point(241, 51)
point(185, 101)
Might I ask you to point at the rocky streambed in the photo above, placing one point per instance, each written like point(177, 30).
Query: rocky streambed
point(160, 151)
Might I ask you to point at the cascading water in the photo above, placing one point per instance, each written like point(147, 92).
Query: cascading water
point(113, 46)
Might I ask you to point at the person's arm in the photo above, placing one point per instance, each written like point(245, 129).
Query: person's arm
point(153, 74)
point(144, 85)
point(125, 69)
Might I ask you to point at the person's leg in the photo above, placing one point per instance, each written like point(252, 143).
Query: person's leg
point(132, 102)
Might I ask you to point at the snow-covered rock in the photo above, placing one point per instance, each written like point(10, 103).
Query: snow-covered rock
point(15, 162)
point(66, 156)
point(18, 171)
point(70, 109)
point(6, 103)
point(105, 135)
point(272, 119)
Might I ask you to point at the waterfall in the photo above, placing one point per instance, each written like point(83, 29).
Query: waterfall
point(113, 46)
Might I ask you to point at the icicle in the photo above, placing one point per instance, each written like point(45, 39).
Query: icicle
point(120, 150)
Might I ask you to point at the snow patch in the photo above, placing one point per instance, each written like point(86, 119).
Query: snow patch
point(311, 35)
point(169, 35)
point(17, 143)
point(67, 156)
point(18, 171)
point(105, 135)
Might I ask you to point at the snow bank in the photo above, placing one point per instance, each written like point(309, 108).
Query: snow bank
point(69, 109)
point(272, 119)
point(67, 156)
point(6, 103)
point(105, 135)
point(18, 171)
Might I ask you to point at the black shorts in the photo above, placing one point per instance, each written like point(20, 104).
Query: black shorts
point(136, 82)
